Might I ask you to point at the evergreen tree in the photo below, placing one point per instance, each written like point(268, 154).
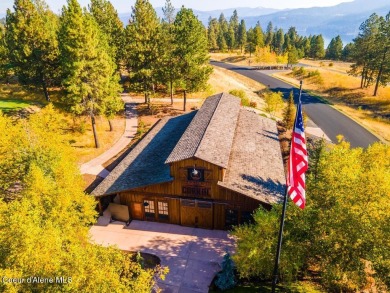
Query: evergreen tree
point(279, 42)
point(334, 49)
point(212, 34)
point(143, 48)
point(191, 51)
point(382, 59)
point(258, 36)
point(269, 34)
point(221, 41)
point(251, 46)
point(31, 39)
point(222, 38)
point(4, 63)
point(230, 38)
point(242, 35)
point(168, 67)
point(233, 25)
point(109, 23)
point(317, 50)
point(346, 55)
point(365, 51)
point(89, 72)
point(292, 56)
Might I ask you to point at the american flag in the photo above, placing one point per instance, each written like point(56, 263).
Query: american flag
point(298, 162)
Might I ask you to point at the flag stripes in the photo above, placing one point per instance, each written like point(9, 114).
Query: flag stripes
point(298, 162)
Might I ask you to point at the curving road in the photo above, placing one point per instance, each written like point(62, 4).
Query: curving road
point(331, 121)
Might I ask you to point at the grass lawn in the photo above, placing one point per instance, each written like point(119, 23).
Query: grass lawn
point(14, 105)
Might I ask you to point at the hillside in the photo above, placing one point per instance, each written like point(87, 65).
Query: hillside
point(343, 19)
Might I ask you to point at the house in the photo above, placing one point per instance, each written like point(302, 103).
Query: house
point(210, 168)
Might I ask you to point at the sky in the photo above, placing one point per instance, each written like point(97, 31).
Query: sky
point(125, 5)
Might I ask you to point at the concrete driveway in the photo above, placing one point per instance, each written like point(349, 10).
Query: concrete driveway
point(193, 255)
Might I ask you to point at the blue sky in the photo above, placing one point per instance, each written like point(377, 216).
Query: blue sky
point(125, 5)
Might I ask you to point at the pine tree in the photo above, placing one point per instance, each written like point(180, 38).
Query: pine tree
point(279, 41)
point(222, 38)
point(242, 35)
point(334, 49)
point(32, 45)
point(383, 53)
point(143, 50)
point(109, 23)
point(233, 25)
point(365, 51)
point(89, 72)
point(258, 36)
point(4, 62)
point(191, 51)
point(212, 34)
point(317, 50)
point(269, 34)
point(168, 71)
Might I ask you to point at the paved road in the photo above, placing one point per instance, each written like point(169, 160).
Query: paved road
point(331, 121)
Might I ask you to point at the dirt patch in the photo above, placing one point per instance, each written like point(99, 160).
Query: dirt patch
point(91, 182)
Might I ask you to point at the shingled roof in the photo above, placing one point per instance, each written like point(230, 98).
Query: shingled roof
point(144, 165)
point(255, 166)
point(222, 133)
point(210, 135)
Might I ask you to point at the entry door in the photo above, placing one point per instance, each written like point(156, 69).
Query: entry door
point(136, 210)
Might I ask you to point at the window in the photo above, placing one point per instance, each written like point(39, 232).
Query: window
point(195, 175)
point(149, 209)
point(163, 211)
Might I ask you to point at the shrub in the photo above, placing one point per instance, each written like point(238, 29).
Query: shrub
point(274, 102)
point(330, 64)
point(242, 95)
point(253, 104)
point(225, 278)
point(299, 71)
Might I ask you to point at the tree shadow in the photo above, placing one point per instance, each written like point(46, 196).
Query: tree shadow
point(268, 185)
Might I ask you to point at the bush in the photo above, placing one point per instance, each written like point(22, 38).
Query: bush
point(343, 231)
point(242, 95)
point(299, 71)
point(330, 64)
point(273, 101)
point(225, 278)
point(253, 104)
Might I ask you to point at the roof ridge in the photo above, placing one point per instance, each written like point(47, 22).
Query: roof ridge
point(212, 116)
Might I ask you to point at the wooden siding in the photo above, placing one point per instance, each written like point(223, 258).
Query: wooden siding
point(219, 198)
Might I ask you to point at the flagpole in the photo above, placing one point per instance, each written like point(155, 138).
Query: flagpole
point(280, 237)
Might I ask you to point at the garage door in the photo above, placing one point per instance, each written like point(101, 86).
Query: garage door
point(196, 213)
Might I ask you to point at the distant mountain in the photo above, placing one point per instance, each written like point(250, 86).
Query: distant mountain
point(343, 19)
point(203, 16)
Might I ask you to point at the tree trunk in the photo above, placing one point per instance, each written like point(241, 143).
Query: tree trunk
point(110, 123)
point(185, 101)
point(171, 83)
point(97, 145)
point(363, 77)
point(146, 98)
point(45, 91)
point(380, 72)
